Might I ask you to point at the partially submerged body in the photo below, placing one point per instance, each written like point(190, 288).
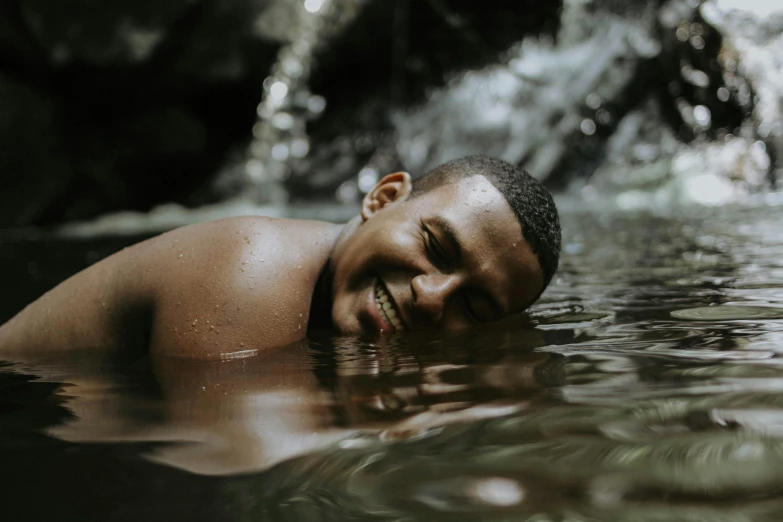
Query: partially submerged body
point(238, 290)
point(199, 291)
point(461, 251)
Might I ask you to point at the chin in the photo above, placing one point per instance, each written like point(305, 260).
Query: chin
point(344, 325)
point(342, 330)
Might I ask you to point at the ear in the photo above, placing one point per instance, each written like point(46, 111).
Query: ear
point(391, 189)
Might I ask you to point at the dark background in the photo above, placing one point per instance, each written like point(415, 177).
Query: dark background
point(91, 124)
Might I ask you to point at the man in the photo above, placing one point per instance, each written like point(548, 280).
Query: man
point(472, 241)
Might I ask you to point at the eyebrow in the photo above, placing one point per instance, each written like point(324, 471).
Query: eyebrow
point(451, 236)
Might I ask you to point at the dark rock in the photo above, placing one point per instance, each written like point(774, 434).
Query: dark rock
point(34, 165)
point(142, 158)
point(144, 99)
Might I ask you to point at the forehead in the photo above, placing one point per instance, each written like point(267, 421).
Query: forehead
point(490, 236)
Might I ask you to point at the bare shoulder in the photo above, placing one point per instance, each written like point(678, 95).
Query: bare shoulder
point(201, 290)
point(241, 231)
point(236, 284)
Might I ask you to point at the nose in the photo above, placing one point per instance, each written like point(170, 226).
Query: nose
point(432, 291)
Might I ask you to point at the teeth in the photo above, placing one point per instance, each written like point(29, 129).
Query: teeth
point(387, 311)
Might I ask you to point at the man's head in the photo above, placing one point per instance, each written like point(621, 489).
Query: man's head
point(531, 203)
point(472, 241)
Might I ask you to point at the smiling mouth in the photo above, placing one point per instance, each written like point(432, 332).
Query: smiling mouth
point(386, 307)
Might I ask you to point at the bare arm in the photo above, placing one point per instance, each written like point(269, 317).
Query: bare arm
point(88, 311)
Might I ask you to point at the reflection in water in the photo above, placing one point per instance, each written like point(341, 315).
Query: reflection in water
point(728, 313)
point(646, 386)
point(249, 412)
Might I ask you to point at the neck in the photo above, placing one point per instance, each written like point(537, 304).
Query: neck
point(321, 303)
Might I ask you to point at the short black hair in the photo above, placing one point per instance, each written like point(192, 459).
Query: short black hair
point(531, 202)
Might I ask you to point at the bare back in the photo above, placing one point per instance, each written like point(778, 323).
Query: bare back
point(199, 291)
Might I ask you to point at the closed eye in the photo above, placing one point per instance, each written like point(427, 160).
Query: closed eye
point(470, 313)
point(434, 249)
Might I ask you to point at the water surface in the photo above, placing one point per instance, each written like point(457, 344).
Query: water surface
point(645, 386)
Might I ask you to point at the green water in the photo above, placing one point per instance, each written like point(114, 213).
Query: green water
point(645, 386)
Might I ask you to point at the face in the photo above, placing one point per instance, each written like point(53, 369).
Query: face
point(446, 259)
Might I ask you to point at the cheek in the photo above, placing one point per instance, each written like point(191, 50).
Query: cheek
point(343, 318)
point(381, 248)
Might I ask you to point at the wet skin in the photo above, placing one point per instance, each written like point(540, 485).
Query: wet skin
point(446, 259)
